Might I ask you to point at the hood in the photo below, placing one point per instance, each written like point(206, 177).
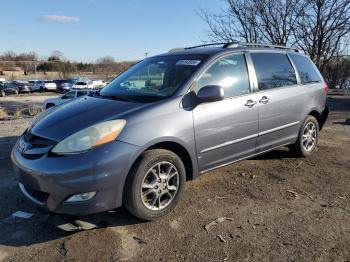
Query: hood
point(62, 121)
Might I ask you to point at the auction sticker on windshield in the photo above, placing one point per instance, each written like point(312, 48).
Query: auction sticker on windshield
point(188, 62)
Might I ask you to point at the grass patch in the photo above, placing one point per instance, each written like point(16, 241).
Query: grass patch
point(3, 113)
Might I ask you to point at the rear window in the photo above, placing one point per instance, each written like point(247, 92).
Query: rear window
point(273, 70)
point(306, 69)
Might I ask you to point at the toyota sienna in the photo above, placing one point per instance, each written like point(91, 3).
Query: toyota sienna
point(165, 121)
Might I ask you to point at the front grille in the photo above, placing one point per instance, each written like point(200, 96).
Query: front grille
point(37, 146)
point(37, 141)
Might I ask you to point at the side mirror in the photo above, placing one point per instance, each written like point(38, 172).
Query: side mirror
point(210, 93)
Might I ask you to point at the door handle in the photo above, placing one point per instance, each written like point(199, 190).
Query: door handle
point(264, 100)
point(250, 103)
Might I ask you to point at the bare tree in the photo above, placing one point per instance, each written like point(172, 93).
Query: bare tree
point(337, 71)
point(106, 65)
point(254, 21)
point(319, 27)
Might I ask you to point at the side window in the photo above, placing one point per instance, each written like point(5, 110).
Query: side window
point(307, 71)
point(231, 73)
point(81, 93)
point(69, 95)
point(273, 70)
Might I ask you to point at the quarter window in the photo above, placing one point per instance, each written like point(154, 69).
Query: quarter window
point(307, 71)
point(231, 73)
point(273, 70)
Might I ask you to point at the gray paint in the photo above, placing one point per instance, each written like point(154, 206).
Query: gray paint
point(214, 134)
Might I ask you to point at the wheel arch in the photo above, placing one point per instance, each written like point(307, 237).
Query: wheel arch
point(320, 117)
point(179, 150)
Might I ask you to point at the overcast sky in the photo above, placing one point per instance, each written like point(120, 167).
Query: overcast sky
point(84, 30)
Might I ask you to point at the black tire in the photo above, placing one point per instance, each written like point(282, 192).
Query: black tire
point(298, 149)
point(41, 89)
point(132, 199)
point(2, 93)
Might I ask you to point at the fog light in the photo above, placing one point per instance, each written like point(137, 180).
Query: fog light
point(81, 197)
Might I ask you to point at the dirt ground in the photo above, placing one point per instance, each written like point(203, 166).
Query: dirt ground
point(278, 208)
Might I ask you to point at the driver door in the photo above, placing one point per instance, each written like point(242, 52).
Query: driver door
point(226, 130)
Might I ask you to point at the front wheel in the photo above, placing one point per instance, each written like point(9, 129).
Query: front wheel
point(307, 139)
point(155, 184)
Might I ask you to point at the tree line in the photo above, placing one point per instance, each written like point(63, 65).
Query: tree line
point(320, 28)
point(56, 62)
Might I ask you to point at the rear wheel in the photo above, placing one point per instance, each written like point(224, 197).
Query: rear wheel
point(307, 139)
point(155, 184)
point(2, 93)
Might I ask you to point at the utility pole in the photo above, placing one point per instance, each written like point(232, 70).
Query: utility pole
point(36, 78)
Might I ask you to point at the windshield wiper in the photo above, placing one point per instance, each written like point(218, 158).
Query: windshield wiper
point(115, 98)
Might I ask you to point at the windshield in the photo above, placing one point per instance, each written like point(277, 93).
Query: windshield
point(153, 78)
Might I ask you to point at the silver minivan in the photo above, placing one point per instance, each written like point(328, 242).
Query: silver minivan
point(165, 121)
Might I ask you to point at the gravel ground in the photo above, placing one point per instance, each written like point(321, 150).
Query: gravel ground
point(278, 208)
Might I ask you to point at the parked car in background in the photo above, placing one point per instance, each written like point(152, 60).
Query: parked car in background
point(63, 85)
point(83, 85)
point(97, 84)
point(8, 88)
point(43, 85)
point(37, 85)
point(23, 86)
point(55, 101)
point(50, 85)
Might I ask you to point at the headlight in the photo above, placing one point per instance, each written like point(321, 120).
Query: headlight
point(90, 137)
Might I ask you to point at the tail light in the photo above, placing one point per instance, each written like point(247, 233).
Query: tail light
point(325, 88)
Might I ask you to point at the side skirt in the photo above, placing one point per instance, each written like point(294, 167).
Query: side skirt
point(244, 158)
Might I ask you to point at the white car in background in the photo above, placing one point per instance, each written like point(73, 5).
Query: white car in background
point(98, 83)
point(83, 85)
point(55, 101)
point(41, 85)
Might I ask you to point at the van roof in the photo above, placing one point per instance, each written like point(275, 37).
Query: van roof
point(215, 48)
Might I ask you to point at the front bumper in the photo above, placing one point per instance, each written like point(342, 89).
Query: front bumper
point(48, 181)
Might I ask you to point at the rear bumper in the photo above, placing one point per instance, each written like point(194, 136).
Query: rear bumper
point(48, 181)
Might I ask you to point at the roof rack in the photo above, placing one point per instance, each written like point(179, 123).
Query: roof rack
point(197, 46)
point(235, 45)
point(240, 44)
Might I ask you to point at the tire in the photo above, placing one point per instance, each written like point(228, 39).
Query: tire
point(299, 148)
point(41, 89)
point(142, 180)
point(2, 93)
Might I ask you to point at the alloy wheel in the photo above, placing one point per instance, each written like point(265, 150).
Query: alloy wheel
point(309, 136)
point(160, 186)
